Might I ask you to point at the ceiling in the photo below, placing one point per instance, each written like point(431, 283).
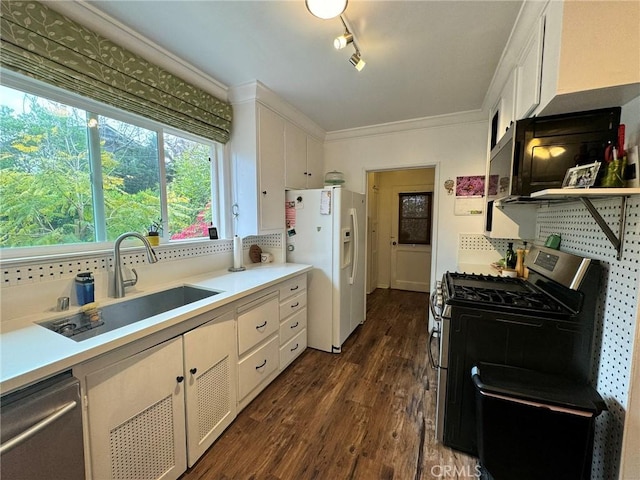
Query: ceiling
point(424, 58)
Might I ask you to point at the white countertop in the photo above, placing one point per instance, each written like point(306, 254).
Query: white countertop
point(29, 352)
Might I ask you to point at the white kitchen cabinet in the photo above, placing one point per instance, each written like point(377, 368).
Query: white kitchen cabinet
point(315, 162)
point(210, 361)
point(590, 59)
point(152, 412)
point(257, 154)
point(258, 326)
point(529, 73)
point(303, 159)
point(136, 416)
point(293, 319)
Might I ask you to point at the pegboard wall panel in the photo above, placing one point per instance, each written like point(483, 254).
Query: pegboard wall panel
point(616, 313)
point(19, 272)
point(475, 242)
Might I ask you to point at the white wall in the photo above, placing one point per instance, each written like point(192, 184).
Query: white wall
point(455, 145)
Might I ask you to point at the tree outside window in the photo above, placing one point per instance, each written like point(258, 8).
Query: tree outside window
point(69, 176)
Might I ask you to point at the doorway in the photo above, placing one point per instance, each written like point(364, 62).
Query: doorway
point(398, 244)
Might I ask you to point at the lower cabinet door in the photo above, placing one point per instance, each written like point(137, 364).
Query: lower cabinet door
point(210, 362)
point(294, 347)
point(135, 409)
point(257, 367)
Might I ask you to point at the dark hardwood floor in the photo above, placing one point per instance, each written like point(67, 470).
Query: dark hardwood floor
point(367, 413)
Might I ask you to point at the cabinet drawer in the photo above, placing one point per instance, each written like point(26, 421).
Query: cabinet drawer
point(294, 347)
point(257, 367)
point(257, 324)
point(293, 286)
point(293, 304)
point(293, 325)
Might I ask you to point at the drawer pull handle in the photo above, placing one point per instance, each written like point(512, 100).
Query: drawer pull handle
point(293, 289)
point(295, 305)
point(295, 325)
point(258, 327)
point(295, 348)
point(262, 365)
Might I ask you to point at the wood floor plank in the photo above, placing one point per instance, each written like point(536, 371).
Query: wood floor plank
point(367, 413)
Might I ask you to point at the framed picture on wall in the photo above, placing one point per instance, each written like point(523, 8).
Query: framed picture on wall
point(582, 176)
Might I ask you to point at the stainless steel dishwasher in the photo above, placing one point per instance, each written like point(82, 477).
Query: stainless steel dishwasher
point(42, 431)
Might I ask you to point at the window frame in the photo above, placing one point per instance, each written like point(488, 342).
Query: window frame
point(219, 170)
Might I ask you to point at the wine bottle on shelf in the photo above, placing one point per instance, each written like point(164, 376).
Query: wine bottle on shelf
point(510, 257)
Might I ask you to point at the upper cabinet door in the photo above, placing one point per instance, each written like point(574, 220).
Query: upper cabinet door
point(295, 155)
point(529, 73)
point(315, 161)
point(271, 164)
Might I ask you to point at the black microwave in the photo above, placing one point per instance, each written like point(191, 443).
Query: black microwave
point(535, 153)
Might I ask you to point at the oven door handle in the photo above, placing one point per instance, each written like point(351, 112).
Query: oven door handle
point(432, 299)
point(435, 333)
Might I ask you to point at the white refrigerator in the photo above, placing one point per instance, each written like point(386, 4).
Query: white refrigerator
point(326, 229)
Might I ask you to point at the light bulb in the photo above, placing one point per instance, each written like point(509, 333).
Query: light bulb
point(326, 9)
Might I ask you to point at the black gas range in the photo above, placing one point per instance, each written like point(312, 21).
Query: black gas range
point(545, 322)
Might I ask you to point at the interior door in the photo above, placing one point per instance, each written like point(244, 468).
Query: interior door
point(411, 262)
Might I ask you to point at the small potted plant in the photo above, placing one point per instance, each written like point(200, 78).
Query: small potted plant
point(153, 233)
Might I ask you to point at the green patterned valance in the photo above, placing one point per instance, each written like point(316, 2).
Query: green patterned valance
point(48, 46)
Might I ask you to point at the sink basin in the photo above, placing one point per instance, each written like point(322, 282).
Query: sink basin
point(79, 327)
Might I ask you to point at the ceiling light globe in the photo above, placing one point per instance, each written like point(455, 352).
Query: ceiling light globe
point(326, 9)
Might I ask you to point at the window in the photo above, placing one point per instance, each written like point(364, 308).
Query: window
point(414, 219)
point(76, 175)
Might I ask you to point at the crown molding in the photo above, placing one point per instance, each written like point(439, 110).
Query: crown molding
point(438, 121)
point(90, 17)
point(257, 91)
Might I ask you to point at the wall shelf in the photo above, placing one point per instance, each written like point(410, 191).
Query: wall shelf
point(585, 196)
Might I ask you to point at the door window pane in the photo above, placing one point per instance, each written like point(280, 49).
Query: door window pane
point(414, 219)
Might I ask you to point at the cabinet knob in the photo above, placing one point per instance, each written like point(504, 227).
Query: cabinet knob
point(193, 371)
point(179, 378)
point(264, 192)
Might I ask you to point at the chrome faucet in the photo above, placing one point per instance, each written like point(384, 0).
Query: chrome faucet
point(119, 282)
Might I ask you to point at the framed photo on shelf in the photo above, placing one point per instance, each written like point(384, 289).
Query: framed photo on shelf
point(582, 176)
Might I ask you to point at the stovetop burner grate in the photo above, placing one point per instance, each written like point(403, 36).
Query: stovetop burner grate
point(501, 293)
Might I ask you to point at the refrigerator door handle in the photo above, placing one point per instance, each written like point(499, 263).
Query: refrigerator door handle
point(354, 244)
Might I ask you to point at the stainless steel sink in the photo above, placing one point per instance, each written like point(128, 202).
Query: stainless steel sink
point(80, 327)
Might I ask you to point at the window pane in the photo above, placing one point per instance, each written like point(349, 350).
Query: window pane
point(130, 176)
point(188, 170)
point(414, 218)
point(45, 189)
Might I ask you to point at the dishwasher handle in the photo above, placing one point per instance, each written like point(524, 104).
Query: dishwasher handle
point(38, 427)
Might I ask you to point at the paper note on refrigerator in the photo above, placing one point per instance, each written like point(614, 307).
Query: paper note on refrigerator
point(325, 202)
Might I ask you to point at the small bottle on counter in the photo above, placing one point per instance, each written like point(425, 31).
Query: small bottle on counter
point(510, 257)
point(85, 288)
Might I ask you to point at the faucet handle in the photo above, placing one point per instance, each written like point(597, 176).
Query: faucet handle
point(132, 281)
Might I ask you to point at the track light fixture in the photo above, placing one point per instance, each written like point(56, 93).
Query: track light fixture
point(326, 9)
point(343, 40)
point(357, 61)
point(349, 38)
